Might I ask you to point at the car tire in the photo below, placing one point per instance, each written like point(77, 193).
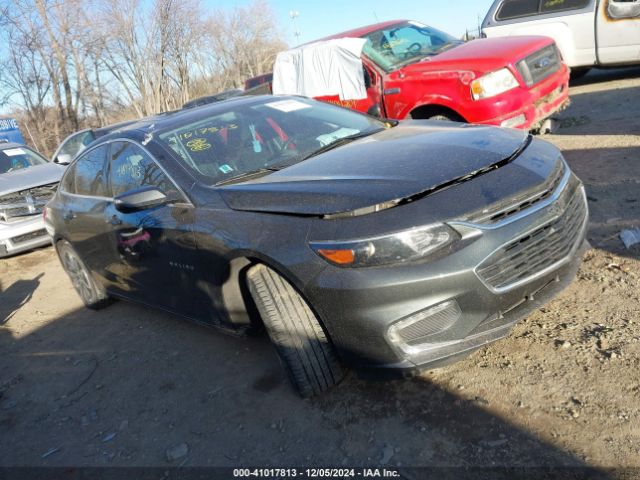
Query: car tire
point(302, 345)
point(91, 293)
point(443, 118)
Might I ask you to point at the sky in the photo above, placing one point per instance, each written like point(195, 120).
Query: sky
point(320, 18)
point(317, 19)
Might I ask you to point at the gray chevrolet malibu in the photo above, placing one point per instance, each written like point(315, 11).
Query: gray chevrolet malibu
point(354, 241)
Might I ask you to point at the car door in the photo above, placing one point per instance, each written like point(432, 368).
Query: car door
point(569, 22)
point(618, 32)
point(155, 246)
point(83, 202)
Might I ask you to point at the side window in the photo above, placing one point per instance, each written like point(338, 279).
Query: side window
point(518, 8)
point(548, 6)
point(131, 167)
point(68, 183)
point(89, 173)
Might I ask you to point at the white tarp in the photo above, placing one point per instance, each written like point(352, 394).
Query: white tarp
point(320, 69)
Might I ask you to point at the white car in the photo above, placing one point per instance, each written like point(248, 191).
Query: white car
point(589, 33)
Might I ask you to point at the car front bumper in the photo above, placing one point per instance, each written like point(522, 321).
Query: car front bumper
point(21, 236)
point(525, 108)
point(361, 307)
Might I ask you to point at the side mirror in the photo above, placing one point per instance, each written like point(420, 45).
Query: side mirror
point(139, 199)
point(63, 159)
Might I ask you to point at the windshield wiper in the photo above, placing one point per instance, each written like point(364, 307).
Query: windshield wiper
point(447, 46)
point(251, 173)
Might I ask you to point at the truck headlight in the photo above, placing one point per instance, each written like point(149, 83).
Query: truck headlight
point(396, 248)
point(493, 84)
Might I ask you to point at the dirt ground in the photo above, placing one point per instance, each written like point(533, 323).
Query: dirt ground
point(129, 386)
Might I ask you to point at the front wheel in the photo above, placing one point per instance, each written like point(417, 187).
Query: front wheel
point(443, 118)
point(307, 355)
point(91, 293)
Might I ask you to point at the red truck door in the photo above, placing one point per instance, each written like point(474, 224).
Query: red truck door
point(372, 104)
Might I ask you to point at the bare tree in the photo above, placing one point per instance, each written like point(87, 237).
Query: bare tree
point(73, 63)
point(244, 42)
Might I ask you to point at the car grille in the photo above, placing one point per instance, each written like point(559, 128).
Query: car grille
point(15, 206)
point(539, 250)
point(497, 212)
point(29, 236)
point(539, 65)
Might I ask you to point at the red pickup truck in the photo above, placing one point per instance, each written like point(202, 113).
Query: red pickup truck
point(415, 71)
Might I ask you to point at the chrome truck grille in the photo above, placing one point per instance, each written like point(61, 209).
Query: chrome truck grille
point(540, 65)
point(15, 206)
point(522, 259)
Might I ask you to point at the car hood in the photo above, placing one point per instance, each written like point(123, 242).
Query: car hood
point(481, 55)
point(30, 177)
point(414, 158)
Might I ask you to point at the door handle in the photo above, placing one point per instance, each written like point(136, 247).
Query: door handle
point(69, 215)
point(114, 220)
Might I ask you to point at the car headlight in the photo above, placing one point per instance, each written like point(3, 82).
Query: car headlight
point(396, 248)
point(493, 84)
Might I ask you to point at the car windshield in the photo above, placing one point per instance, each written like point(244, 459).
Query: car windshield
point(18, 158)
point(405, 43)
point(75, 143)
point(263, 136)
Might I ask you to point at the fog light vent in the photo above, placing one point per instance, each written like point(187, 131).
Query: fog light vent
point(416, 328)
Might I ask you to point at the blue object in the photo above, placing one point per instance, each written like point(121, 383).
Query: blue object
point(10, 131)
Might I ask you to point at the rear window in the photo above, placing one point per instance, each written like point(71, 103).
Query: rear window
point(517, 8)
point(523, 8)
point(89, 173)
point(560, 5)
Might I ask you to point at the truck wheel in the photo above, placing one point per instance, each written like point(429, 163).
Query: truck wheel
point(444, 118)
point(91, 293)
point(307, 355)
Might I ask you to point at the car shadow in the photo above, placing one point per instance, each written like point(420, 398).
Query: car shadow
point(614, 204)
point(15, 296)
point(599, 135)
point(601, 112)
point(119, 386)
point(601, 75)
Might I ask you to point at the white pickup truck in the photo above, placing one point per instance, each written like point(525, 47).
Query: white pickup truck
point(589, 33)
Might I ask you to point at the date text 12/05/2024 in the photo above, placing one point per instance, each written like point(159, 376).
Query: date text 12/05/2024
point(315, 473)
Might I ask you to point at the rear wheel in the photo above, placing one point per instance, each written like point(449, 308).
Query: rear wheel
point(92, 294)
point(307, 355)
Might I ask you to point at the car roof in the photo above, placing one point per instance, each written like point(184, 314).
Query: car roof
point(361, 31)
point(178, 118)
point(216, 97)
point(99, 132)
point(8, 145)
